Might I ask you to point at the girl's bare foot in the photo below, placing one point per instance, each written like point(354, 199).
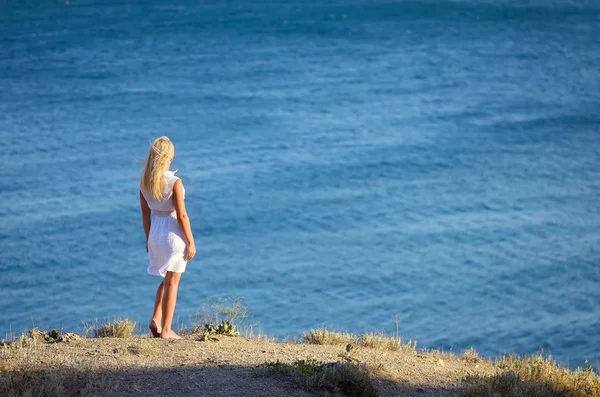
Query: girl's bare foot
point(154, 329)
point(169, 335)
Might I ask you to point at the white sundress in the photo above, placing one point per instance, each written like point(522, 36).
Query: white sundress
point(166, 243)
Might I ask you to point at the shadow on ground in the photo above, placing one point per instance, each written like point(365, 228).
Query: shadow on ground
point(224, 381)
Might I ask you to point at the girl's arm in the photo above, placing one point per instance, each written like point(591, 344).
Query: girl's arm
point(183, 219)
point(146, 217)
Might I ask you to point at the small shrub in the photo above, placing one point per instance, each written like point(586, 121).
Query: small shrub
point(118, 328)
point(225, 328)
point(40, 336)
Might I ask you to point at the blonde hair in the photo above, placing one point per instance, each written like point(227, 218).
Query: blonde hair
point(159, 157)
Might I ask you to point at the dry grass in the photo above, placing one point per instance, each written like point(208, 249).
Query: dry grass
point(537, 376)
point(437, 354)
point(470, 356)
point(323, 336)
point(259, 335)
point(56, 382)
point(381, 341)
point(32, 383)
point(117, 328)
point(24, 369)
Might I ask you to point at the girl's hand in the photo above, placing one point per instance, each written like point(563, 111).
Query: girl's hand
point(146, 246)
point(190, 252)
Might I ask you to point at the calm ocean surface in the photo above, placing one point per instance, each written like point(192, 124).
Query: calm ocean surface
point(345, 162)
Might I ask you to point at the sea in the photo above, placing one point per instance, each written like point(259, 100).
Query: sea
point(429, 167)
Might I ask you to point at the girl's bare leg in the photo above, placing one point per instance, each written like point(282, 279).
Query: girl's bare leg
point(155, 323)
point(171, 285)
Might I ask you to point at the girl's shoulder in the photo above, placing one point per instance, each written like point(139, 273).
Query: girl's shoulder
point(171, 177)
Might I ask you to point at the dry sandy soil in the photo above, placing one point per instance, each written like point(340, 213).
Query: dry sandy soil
point(234, 366)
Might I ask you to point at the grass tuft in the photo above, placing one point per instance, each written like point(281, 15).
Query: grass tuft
point(259, 336)
point(535, 376)
point(471, 356)
point(117, 328)
point(323, 336)
point(383, 342)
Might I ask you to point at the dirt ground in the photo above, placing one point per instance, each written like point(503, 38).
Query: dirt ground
point(234, 366)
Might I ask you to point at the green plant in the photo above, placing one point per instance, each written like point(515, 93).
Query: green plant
point(208, 334)
point(351, 379)
point(224, 328)
point(299, 367)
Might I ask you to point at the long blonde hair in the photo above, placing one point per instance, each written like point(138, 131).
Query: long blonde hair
point(159, 157)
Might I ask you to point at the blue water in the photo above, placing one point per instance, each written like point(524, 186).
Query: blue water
point(345, 163)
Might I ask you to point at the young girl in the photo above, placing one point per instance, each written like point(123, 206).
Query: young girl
point(169, 240)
